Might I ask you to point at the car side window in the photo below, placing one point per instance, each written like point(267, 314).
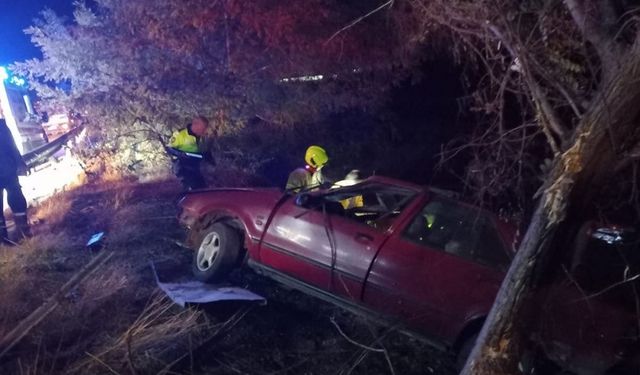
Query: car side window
point(376, 205)
point(457, 230)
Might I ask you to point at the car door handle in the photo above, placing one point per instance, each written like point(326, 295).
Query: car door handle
point(361, 237)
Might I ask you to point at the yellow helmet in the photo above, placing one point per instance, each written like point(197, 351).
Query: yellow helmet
point(316, 156)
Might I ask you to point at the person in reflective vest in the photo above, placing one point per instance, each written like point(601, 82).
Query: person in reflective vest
point(309, 177)
point(352, 178)
point(186, 152)
point(12, 165)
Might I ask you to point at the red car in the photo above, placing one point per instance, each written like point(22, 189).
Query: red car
point(409, 255)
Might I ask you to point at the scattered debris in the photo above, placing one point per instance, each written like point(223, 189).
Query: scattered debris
point(96, 241)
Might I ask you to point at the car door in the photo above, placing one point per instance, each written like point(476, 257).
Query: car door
point(296, 243)
point(359, 229)
point(431, 273)
point(330, 240)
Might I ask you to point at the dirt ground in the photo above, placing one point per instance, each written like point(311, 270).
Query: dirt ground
point(117, 321)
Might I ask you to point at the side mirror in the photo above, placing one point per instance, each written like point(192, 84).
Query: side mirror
point(612, 235)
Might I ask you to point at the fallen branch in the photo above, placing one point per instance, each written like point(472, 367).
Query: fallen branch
point(612, 286)
point(354, 342)
point(26, 325)
point(101, 362)
point(225, 327)
point(365, 348)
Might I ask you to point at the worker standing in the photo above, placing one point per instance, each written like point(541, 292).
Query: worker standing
point(12, 165)
point(311, 175)
point(185, 148)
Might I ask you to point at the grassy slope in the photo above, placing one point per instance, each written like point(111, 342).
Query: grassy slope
point(118, 322)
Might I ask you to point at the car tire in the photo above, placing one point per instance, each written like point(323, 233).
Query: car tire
point(465, 350)
point(218, 248)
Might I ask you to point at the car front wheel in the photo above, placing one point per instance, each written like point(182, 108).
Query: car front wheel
point(217, 250)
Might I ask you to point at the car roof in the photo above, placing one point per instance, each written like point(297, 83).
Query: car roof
point(508, 232)
point(393, 181)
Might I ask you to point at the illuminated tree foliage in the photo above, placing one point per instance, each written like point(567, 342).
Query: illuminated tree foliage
point(138, 69)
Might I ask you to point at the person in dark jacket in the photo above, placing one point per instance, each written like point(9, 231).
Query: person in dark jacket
point(12, 165)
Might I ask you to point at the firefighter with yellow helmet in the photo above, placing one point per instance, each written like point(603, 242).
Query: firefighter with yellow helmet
point(311, 175)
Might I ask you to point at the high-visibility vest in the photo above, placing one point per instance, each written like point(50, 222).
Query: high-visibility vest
point(183, 141)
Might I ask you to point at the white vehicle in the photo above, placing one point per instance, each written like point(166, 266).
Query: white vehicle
point(17, 109)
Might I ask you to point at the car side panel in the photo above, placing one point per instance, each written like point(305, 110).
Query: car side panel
point(435, 292)
point(250, 207)
point(462, 290)
point(399, 284)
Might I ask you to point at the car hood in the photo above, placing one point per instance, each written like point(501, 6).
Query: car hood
point(250, 206)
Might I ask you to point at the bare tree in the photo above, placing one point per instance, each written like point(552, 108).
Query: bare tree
point(577, 64)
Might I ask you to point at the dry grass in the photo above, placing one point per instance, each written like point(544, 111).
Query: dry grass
point(158, 336)
point(108, 313)
point(54, 210)
point(104, 287)
point(20, 267)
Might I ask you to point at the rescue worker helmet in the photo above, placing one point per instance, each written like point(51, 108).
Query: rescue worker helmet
point(316, 156)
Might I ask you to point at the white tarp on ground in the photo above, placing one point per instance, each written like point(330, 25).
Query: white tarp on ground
point(183, 291)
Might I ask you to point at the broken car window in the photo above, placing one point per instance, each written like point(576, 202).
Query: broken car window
point(376, 205)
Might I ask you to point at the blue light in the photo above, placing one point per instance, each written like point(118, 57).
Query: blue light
point(4, 74)
point(17, 81)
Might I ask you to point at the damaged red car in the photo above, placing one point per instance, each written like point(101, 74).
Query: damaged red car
point(407, 255)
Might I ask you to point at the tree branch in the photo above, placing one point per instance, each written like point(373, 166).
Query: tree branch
point(595, 22)
point(552, 120)
point(388, 3)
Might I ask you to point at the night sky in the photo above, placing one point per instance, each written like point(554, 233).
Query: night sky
point(15, 16)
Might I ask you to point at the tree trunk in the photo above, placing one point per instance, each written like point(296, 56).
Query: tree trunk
point(604, 133)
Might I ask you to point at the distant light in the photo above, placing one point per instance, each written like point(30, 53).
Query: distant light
point(318, 77)
point(4, 74)
point(17, 81)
